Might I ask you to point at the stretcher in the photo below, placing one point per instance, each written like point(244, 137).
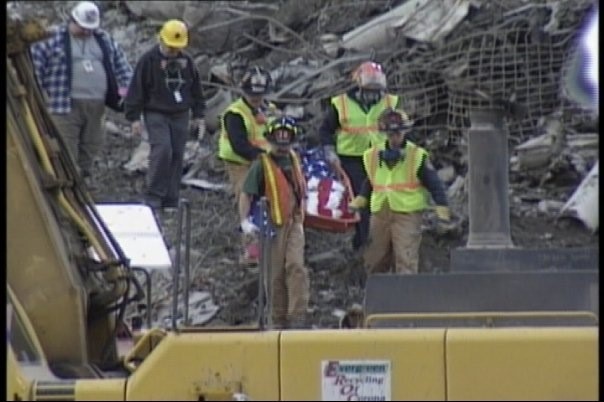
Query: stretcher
point(327, 209)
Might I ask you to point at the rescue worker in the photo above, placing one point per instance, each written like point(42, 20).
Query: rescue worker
point(398, 175)
point(242, 138)
point(278, 176)
point(166, 90)
point(350, 127)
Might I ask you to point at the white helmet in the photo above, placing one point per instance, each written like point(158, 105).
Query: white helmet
point(86, 14)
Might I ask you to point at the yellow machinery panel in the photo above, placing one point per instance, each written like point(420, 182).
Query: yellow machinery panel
point(209, 366)
point(367, 364)
point(522, 364)
point(105, 390)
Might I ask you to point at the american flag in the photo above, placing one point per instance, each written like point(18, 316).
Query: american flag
point(315, 165)
point(261, 219)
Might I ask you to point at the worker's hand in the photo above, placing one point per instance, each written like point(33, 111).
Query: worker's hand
point(137, 127)
point(200, 125)
point(359, 202)
point(443, 224)
point(330, 154)
point(443, 213)
point(248, 228)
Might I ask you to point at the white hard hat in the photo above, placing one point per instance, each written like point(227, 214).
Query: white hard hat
point(86, 14)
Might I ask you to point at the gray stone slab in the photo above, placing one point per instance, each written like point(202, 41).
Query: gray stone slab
point(520, 259)
point(483, 292)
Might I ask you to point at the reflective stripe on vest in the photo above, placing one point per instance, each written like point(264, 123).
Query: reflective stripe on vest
point(278, 189)
point(255, 132)
point(406, 194)
point(358, 130)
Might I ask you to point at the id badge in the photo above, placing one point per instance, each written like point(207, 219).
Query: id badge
point(87, 64)
point(177, 97)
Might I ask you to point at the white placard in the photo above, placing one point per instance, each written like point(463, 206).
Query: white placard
point(135, 229)
point(355, 380)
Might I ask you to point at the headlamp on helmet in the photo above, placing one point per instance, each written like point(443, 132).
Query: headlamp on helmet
point(283, 131)
point(256, 81)
point(393, 121)
point(370, 75)
point(174, 33)
point(86, 14)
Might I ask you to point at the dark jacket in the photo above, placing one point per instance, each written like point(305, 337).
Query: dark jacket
point(155, 81)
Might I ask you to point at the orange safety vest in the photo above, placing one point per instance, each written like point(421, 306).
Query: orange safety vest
point(278, 189)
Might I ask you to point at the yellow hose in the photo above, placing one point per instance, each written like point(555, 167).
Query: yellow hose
point(81, 223)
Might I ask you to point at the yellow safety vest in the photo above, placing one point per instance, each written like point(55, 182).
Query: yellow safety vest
point(255, 132)
point(399, 186)
point(277, 188)
point(358, 130)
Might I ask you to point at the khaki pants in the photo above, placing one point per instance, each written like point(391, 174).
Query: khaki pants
point(289, 275)
point(393, 238)
point(83, 132)
point(237, 173)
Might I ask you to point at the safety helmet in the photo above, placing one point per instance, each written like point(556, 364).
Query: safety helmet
point(256, 81)
point(174, 33)
point(394, 121)
point(369, 75)
point(87, 15)
point(283, 131)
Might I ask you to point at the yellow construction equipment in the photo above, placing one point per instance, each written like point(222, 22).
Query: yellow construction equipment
point(68, 285)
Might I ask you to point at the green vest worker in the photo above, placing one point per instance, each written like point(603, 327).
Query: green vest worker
point(350, 128)
point(278, 176)
point(242, 139)
point(243, 126)
point(399, 178)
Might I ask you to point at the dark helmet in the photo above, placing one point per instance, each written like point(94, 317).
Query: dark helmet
point(394, 121)
point(256, 81)
point(283, 131)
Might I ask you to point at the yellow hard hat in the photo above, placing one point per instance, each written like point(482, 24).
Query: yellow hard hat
point(174, 33)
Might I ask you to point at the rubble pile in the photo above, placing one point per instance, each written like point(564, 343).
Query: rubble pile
point(444, 57)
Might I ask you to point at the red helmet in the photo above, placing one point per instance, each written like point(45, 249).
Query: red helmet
point(370, 75)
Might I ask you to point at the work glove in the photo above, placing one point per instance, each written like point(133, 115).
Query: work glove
point(137, 127)
point(443, 224)
point(330, 154)
point(248, 228)
point(201, 128)
point(359, 202)
point(391, 155)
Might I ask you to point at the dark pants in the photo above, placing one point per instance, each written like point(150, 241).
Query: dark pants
point(353, 166)
point(167, 138)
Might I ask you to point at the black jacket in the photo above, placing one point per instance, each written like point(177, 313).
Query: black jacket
point(155, 81)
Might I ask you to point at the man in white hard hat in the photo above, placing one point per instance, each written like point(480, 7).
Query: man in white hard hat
point(81, 69)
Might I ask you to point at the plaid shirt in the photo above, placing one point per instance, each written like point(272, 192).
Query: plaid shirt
point(53, 70)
